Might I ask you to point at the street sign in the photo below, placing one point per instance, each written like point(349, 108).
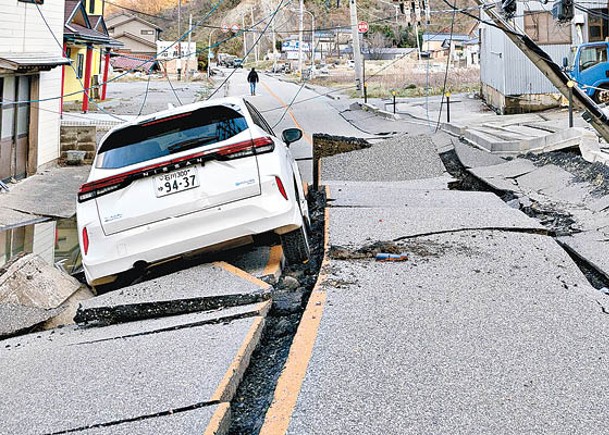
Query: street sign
point(225, 28)
point(362, 27)
point(234, 28)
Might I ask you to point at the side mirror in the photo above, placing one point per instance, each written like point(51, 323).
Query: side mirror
point(290, 135)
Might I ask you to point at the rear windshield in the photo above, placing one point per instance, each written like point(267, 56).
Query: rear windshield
point(142, 142)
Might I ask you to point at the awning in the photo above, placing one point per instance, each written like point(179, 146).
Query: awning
point(30, 62)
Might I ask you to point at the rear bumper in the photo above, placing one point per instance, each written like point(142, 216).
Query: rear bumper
point(152, 243)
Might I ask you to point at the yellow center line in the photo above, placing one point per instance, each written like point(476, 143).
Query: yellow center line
point(306, 136)
point(289, 384)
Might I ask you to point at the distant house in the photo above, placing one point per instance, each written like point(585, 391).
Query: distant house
point(138, 36)
point(439, 45)
point(30, 86)
point(88, 44)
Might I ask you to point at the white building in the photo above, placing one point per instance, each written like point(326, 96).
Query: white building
point(31, 32)
point(174, 55)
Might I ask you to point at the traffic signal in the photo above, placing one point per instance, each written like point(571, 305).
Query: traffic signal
point(509, 8)
point(563, 10)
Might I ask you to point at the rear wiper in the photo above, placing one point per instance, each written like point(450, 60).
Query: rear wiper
point(192, 143)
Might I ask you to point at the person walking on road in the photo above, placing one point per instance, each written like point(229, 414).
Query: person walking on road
point(252, 78)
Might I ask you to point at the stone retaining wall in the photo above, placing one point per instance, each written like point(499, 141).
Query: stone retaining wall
point(80, 138)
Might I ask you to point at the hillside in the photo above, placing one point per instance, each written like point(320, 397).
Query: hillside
point(208, 15)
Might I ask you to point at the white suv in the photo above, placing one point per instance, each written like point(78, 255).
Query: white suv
point(185, 179)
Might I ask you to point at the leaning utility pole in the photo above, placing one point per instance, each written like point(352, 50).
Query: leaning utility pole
point(593, 114)
point(357, 55)
point(300, 24)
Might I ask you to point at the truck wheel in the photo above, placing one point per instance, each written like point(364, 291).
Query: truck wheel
point(602, 95)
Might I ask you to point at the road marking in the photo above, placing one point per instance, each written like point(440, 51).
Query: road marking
point(306, 136)
point(273, 267)
point(220, 421)
point(241, 274)
point(278, 416)
point(228, 386)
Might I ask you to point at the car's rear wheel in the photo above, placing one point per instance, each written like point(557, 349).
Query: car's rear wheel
point(295, 245)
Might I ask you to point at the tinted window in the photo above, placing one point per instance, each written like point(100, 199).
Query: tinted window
point(147, 141)
point(259, 119)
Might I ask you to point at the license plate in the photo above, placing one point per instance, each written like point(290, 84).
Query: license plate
point(176, 181)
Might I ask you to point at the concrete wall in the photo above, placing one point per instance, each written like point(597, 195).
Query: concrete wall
point(80, 138)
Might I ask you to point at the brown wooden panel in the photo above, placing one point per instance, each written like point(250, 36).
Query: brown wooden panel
point(6, 146)
point(21, 156)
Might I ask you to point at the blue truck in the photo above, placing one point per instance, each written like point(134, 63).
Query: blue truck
point(590, 70)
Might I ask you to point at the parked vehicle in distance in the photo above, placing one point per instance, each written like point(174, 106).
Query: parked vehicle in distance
point(189, 178)
point(238, 63)
point(590, 70)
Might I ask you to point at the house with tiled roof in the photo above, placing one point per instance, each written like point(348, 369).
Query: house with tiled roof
point(88, 45)
point(30, 85)
point(137, 35)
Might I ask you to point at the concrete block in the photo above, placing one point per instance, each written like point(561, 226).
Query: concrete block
point(32, 282)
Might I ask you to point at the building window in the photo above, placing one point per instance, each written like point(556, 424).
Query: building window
point(80, 65)
point(91, 6)
point(597, 26)
point(38, 2)
point(146, 32)
point(541, 28)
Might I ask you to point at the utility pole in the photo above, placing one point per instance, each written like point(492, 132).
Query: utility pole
point(274, 42)
point(300, 24)
point(179, 60)
point(244, 37)
point(257, 46)
point(186, 68)
point(357, 55)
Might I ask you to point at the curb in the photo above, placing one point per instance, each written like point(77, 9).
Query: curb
point(367, 107)
point(220, 421)
point(228, 386)
point(279, 414)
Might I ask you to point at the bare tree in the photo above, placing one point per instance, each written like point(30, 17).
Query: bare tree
point(376, 45)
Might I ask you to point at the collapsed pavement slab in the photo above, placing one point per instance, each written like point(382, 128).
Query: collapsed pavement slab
point(50, 193)
point(17, 319)
point(195, 421)
point(199, 288)
point(592, 247)
point(74, 379)
point(472, 157)
point(391, 196)
point(502, 176)
point(363, 226)
point(441, 182)
point(415, 157)
point(488, 332)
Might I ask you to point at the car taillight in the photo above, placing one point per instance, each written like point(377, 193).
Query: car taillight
point(104, 186)
point(251, 147)
point(247, 148)
point(85, 240)
point(280, 187)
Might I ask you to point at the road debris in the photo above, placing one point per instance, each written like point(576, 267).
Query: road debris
point(383, 256)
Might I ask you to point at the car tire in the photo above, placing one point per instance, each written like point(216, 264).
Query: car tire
point(295, 245)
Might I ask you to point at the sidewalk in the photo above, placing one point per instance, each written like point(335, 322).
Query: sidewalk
point(506, 135)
